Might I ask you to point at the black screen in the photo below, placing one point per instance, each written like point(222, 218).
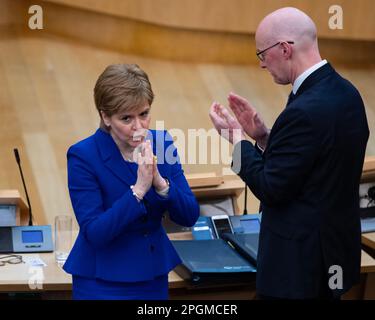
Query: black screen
point(222, 226)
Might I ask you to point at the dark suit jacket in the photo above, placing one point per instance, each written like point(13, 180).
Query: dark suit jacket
point(121, 239)
point(308, 183)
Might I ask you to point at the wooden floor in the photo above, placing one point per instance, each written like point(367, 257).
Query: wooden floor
point(46, 104)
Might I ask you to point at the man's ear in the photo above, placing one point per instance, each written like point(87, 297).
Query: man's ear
point(287, 50)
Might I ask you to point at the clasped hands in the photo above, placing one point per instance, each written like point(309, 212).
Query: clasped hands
point(148, 174)
point(246, 121)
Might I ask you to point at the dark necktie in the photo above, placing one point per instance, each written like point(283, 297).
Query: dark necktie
point(290, 98)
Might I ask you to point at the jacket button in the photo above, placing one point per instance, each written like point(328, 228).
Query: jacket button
point(152, 248)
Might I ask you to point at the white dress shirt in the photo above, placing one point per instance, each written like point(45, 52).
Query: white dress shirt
point(302, 77)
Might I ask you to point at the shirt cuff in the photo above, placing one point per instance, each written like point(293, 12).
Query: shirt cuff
point(259, 148)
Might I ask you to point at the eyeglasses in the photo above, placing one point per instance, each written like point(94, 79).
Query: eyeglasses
point(260, 54)
point(12, 259)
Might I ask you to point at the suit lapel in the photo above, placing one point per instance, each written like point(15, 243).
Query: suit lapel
point(309, 82)
point(315, 78)
point(112, 158)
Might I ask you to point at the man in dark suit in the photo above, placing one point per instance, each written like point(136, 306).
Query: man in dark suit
point(305, 170)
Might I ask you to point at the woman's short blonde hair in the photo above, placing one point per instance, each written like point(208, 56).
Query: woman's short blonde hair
point(122, 87)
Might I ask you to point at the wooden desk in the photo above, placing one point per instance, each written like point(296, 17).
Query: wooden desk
point(19, 277)
point(367, 263)
point(51, 282)
point(366, 289)
point(368, 239)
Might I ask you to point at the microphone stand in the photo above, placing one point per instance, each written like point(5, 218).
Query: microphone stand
point(18, 159)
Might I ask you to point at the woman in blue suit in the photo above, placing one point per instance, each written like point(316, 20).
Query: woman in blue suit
point(120, 191)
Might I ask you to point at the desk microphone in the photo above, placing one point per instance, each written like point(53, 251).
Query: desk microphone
point(18, 159)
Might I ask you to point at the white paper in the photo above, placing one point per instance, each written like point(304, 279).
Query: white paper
point(34, 261)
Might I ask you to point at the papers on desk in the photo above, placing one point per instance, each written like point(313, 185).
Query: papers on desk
point(34, 261)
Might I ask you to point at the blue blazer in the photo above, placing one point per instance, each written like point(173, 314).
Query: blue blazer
point(308, 183)
point(121, 239)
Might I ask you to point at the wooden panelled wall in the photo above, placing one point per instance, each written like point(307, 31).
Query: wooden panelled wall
point(47, 78)
point(208, 31)
point(240, 16)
